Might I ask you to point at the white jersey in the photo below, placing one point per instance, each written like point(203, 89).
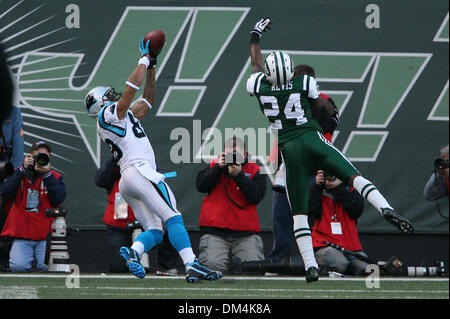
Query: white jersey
point(126, 138)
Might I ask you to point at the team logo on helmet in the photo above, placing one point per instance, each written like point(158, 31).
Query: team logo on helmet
point(278, 68)
point(98, 97)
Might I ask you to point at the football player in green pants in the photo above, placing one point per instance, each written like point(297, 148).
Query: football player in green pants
point(286, 101)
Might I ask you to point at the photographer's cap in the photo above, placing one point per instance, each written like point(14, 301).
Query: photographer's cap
point(40, 144)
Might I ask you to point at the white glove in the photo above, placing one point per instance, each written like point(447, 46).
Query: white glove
point(261, 26)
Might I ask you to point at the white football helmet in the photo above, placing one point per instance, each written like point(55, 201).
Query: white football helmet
point(98, 97)
point(278, 68)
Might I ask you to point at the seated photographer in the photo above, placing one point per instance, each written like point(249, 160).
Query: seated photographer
point(437, 185)
point(229, 220)
point(33, 188)
point(119, 219)
point(333, 212)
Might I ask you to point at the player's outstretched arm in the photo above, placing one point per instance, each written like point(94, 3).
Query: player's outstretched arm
point(141, 107)
point(134, 80)
point(255, 50)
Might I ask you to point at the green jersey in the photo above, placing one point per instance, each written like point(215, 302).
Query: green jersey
point(286, 107)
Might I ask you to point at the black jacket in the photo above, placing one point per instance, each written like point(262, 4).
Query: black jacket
point(253, 189)
point(107, 174)
point(351, 201)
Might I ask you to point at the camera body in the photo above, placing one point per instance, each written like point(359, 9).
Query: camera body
point(328, 177)
point(234, 158)
point(41, 159)
point(440, 163)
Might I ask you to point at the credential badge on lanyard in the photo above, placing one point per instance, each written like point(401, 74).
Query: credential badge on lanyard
point(120, 207)
point(33, 199)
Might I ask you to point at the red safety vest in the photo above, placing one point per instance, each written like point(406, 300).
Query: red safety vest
point(108, 217)
point(322, 229)
point(219, 211)
point(22, 223)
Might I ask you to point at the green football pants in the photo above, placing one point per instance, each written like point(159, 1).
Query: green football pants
point(304, 153)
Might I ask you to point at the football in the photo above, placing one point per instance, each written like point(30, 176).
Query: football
point(157, 41)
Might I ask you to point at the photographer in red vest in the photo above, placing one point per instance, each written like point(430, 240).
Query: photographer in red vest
point(32, 189)
point(333, 212)
point(229, 220)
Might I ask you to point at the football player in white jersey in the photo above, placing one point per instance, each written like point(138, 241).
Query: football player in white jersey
point(143, 188)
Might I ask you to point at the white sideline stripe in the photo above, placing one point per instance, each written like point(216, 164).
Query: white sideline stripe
point(151, 276)
point(245, 289)
point(18, 292)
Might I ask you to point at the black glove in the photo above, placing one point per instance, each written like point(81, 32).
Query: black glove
point(152, 63)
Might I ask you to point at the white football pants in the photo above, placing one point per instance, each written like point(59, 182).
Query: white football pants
point(146, 199)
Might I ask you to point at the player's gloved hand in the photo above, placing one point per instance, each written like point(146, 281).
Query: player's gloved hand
point(261, 26)
point(144, 48)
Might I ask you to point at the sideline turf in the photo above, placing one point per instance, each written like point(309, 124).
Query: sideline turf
point(123, 287)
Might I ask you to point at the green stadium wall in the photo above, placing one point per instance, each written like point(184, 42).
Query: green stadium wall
point(390, 83)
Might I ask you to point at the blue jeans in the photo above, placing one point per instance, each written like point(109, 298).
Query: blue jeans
point(24, 252)
point(282, 227)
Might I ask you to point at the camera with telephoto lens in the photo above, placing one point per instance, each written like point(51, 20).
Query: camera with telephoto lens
point(41, 159)
point(440, 163)
point(234, 158)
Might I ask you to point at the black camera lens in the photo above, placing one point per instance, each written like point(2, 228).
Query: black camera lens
point(440, 163)
point(42, 159)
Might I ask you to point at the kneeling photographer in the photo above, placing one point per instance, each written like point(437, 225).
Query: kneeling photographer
point(229, 219)
point(437, 185)
point(333, 212)
point(33, 188)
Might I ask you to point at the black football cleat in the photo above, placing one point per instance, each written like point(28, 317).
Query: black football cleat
point(403, 224)
point(312, 274)
point(196, 272)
